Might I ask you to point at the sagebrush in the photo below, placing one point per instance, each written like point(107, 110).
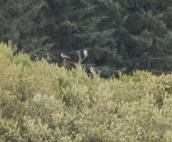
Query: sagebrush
point(43, 102)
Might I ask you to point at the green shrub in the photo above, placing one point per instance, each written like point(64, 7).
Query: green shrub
point(44, 102)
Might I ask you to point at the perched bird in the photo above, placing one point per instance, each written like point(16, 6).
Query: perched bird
point(92, 70)
point(85, 52)
point(64, 56)
point(80, 58)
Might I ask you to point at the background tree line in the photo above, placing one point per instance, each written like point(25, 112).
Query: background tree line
point(120, 35)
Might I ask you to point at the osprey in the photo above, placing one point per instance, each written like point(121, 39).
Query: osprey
point(85, 52)
point(64, 56)
point(92, 70)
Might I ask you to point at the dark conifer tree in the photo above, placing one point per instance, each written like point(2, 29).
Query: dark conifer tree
point(118, 34)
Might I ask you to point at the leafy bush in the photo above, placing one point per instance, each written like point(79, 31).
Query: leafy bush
point(44, 102)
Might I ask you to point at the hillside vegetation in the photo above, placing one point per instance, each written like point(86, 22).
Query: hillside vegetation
point(44, 102)
point(120, 35)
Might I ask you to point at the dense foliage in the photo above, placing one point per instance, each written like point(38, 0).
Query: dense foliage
point(44, 102)
point(119, 34)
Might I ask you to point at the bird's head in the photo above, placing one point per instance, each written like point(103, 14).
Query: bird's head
point(85, 52)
